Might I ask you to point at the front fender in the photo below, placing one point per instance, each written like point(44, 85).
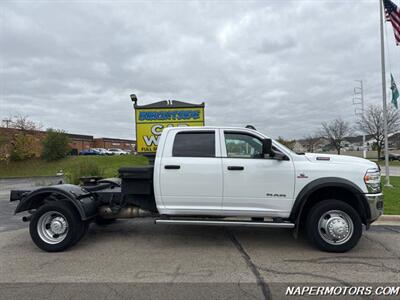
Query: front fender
point(83, 201)
point(333, 182)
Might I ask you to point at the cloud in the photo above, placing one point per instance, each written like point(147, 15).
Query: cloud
point(283, 66)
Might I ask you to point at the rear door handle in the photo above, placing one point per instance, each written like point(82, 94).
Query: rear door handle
point(235, 168)
point(172, 167)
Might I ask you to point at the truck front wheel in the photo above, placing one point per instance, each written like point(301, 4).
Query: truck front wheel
point(334, 226)
point(56, 226)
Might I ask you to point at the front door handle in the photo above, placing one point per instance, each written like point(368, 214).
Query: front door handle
point(235, 168)
point(172, 167)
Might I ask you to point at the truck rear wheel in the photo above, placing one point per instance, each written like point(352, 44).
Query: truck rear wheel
point(56, 226)
point(334, 226)
point(81, 234)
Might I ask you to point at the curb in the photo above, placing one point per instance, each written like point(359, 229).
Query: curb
point(388, 220)
point(391, 218)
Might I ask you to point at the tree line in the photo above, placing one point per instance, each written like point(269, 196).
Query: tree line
point(336, 131)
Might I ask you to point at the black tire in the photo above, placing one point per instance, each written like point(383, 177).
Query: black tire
point(75, 226)
point(81, 234)
point(317, 236)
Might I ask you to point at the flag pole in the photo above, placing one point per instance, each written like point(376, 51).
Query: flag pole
point(385, 129)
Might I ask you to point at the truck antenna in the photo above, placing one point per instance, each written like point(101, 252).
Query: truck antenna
point(251, 127)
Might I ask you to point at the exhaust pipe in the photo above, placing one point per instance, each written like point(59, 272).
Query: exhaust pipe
point(26, 218)
point(124, 213)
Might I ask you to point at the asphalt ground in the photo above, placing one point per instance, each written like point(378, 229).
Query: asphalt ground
point(136, 259)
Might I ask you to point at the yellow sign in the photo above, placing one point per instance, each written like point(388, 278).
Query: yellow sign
point(151, 122)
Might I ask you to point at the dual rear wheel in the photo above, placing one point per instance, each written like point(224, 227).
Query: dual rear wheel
point(56, 226)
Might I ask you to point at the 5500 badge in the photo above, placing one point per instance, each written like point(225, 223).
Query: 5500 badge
point(151, 122)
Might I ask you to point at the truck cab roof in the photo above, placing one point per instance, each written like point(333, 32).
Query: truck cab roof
point(196, 128)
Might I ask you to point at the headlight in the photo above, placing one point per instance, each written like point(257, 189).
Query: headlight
point(372, 180)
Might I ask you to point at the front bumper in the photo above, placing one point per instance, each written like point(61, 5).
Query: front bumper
point(375, 202)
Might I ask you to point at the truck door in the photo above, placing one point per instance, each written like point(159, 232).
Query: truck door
point(254, 185)
point(191, 172)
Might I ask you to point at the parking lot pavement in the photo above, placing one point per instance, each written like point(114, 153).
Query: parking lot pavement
point(249, 261)
point(235, 263)
point(7, 219)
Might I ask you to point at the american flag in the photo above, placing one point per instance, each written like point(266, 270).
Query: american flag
point(392, 13)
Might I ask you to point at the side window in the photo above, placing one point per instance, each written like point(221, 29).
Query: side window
point(194, 144)
point(241, 145)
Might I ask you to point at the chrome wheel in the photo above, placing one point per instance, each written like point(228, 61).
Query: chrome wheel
point(52, 227)
point(335, 227)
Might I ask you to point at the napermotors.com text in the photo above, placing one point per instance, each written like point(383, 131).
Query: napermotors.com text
point(342, 291)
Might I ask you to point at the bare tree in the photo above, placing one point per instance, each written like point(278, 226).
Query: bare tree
point(312, 141)
point(288, 143)
point(335, 132)
point(23, 123)
point(372, 124)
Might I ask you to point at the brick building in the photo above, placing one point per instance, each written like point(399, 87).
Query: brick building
point(78, 142)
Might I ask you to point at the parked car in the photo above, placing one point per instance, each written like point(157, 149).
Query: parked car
point(219, 176)
point(107, 152)
point(103, 151)
point(90, 152)
point(117, 151)
point(392, 157)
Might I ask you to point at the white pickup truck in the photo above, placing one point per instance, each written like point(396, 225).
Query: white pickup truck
point(218, 176)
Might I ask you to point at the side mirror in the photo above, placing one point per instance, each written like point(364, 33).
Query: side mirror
point(267, 147)
point(269, 153)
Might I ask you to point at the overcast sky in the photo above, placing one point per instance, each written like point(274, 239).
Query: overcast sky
point(283, 66)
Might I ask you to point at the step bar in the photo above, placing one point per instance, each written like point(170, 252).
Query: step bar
point(225, 223)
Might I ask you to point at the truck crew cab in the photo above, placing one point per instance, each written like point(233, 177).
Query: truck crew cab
point(218, 176)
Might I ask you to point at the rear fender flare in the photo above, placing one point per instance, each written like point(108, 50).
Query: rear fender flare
point(83, 201)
